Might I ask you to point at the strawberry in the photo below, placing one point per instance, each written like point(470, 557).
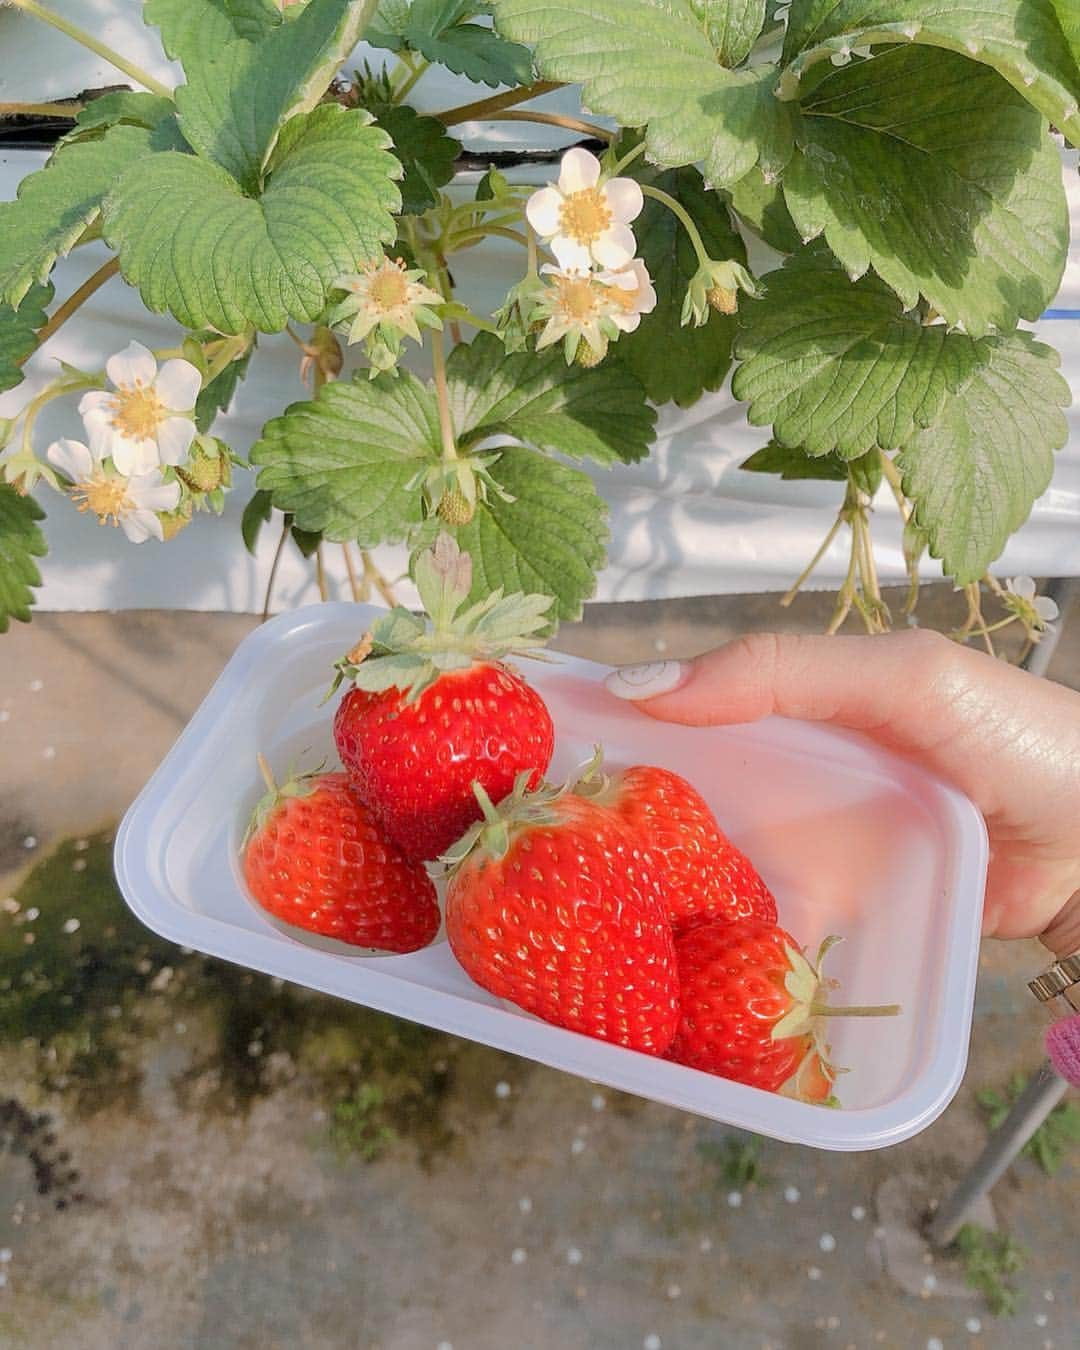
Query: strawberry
point(752, 1008)
point(554, 905)
point(432, 712)
point(703, 874)
point(314, 857)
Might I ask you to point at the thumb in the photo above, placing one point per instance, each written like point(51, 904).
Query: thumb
point(886, 685)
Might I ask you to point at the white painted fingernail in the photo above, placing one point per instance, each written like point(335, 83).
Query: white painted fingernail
point(646, 681)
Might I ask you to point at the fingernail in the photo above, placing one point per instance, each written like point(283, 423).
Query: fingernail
point(646, 681)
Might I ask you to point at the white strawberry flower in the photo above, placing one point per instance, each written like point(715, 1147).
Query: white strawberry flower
point(1035, 612)
point(146, 419)
point(132, 502)
point(575, 307)
point(631, 292)
point(584, 220)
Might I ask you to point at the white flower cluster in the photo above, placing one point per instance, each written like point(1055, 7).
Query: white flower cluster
point(143, 424)
point(598, 289)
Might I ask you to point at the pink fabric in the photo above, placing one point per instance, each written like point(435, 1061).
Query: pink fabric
point(1063, 1047)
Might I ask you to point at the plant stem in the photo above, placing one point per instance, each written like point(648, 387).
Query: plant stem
point(556, 120)
point(74, 301)
point(530, 243)
point(63, 108)
point(320, 575)
point(466, 238)
point(266, 771)
point(628, 158)
point(274, 567)
point(483, 107)
point(446, 426)
point(91, 43)
point(808, 569)
point(354, 585)
point(415, 72)
point(681, 214)
point(231, 350)
point(373, 575)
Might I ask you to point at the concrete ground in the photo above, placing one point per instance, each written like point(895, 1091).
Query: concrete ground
point(192, 1158)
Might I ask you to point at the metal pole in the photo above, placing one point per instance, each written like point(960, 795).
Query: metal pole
point(1028, 1112)
point(1046, 1089)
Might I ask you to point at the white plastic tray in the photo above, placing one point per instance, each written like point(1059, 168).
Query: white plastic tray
point(851, 840)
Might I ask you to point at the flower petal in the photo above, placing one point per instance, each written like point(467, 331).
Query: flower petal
point(624, 199)
point(140, 526)
point(177, 385)
point(135, 364)
point(97, 400)
point(578, 170)
point(72, 458)
point(149, 493)
point(1045, 608)
point(130, 456)
point(174, 437)
point(615, 247)
point(570, 255)
point(1023, 587)
point(543, 211)
point(626, 323)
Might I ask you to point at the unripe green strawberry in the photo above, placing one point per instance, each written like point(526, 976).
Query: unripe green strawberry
point(204, 472)
point(721, 299)
point(455, 508)
point(172, 522)
point(589, 357)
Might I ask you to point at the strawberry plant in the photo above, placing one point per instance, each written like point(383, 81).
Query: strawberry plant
point(900, 159)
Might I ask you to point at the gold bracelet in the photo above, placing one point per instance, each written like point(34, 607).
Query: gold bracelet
point(1060, 981)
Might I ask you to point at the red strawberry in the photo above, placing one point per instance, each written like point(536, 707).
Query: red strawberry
point(703, 874)
point(752, 1007)
point(435, 711)
point(315, 858)
point(556, 907)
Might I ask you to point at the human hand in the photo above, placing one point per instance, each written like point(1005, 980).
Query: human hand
point(1009, 740)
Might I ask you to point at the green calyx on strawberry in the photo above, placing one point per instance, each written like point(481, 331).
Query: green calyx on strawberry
point(454, 487)
point(295, 785)
point(403, 652)
point(492, 836)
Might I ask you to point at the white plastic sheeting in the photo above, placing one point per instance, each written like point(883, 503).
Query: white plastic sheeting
point(688, 521)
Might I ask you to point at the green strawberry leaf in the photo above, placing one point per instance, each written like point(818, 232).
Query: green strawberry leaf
point(733, 26)
point(122, 105)
point(194, 31)
point(761, 205)
point(18, 333)
point(436, 29)
point(239, 93)
point(596, 414)
point(343, 463)
point(836, 365)
point(676, 363)
point(550, 540)
point(1026, 41)
point(196, 245)
point(21, 541)
point(57, 203)
point(218, 394)
point(253, 19)
point(977, 223)
point(791, 463)
point(974, 475)
point(651, 63)
point(256, 514)
point(426, 152)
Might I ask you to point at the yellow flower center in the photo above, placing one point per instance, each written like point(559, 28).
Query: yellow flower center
point(627, 301)
point(389, 287)
point(137, 411)
point(584, 215)
point(577, 298)
point(107, 498)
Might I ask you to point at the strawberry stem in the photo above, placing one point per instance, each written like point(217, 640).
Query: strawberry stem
point(267, 772)
point(827, 1010)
